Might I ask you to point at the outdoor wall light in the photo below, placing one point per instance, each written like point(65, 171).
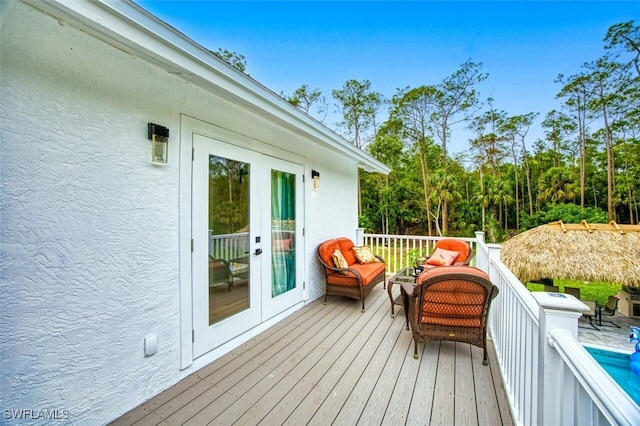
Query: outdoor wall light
point(159, 137)
point(315, 175)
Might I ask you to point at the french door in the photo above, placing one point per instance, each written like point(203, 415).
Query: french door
point(282, 217)
point(247, 239)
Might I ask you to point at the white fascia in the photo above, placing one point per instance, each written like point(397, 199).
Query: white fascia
point(128, 27)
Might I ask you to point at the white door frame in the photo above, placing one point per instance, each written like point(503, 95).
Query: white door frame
point(189, 126)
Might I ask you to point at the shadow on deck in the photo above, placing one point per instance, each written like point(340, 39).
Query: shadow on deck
point(335, 365)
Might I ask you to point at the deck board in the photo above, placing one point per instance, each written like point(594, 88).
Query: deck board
point(332, 364)
point(465, 402)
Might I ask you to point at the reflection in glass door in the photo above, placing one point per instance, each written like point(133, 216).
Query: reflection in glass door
point(243, 204)
point(228, 220)
point(282, 275)
point(283, 232)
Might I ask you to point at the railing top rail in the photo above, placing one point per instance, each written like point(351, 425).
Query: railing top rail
point(239, 234)
point(614, 403)
point(520, 290)
point(417, 237)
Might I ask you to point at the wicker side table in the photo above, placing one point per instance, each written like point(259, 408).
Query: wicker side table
point(404, 276)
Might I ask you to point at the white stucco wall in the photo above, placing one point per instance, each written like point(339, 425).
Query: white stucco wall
point(89, 227)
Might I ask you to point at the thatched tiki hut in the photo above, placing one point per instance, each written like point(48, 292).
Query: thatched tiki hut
point(590, 252)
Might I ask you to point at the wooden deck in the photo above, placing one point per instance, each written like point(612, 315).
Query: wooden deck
point(335, 365)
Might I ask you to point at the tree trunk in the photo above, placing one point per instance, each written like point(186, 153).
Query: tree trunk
point(528, 175)
point(610, 163)
point(632, 220)
point(515, 172)
point(444, 217)
point(423, 168)
point(583, 160)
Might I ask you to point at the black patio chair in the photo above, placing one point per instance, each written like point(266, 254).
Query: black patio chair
point(574, 291)
point(609, 309)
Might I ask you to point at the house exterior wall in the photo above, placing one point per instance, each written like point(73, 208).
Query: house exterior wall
point(89, 231)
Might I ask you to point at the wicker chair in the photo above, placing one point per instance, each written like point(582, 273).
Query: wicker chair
point(357, 280)
point(449, 304)
point(219, 272)
point(463, 248)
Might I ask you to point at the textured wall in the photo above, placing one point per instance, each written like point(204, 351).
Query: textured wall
point(89, 227)
point(332, 212)
point(89, 235)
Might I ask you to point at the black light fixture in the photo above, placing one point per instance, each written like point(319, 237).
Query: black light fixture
point(159, 137)
point(315, 175)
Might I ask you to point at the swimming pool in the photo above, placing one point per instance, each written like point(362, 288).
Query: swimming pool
point(616, 364)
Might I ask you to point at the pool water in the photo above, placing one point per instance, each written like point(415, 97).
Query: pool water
point(617, 365)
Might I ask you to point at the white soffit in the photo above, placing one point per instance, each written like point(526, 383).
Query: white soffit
point(130, 28)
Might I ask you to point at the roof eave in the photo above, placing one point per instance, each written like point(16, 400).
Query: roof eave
point(128, 27)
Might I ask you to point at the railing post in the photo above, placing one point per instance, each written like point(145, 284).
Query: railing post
point(482, 261)
point(557, 310)
point(494, 253)
point(359, 236)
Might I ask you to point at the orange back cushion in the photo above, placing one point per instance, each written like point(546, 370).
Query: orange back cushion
point(455, 245)
point(327, 248)
point(345, 247)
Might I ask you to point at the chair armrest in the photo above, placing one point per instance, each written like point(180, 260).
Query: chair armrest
point(345, 271)
point(465, 263)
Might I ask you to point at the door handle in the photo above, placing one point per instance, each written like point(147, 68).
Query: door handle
point(258, 251)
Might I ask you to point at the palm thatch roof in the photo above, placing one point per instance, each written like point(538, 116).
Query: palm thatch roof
point(590, 252)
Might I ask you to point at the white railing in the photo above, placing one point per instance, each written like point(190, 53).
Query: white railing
point(548, 376)
point(514, 329)
point(228, 246)
point(398, 250)
point(598, 401)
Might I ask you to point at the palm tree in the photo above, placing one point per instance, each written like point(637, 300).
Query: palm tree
point(557, 185)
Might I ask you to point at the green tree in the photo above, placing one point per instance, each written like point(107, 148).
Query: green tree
point(516, 129)
point(608, 81)
point(577, 95)
point(625, 36)
point(305, 98)
point(455, 100)
point(557, 185)
point(358, 105)
point(411, 110)
point(445, 190)
point(489, 143)
point(236, 60)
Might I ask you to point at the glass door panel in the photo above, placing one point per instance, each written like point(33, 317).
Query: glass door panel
point(229, 227)
point(284, 272)
point(283, 232)
point(226, 261)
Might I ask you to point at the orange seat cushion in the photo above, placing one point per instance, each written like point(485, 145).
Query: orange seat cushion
point(369, 271)
point(434, 271)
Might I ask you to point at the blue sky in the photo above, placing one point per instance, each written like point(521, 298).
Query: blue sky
point(523, 46)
